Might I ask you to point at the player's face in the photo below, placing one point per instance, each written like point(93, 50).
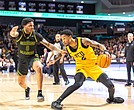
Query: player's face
point(29, 27)
point(66, 39)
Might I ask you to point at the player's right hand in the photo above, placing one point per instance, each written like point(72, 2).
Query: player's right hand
point(14, 32)
point(15, 28)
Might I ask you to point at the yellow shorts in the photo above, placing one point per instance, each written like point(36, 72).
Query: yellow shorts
point(93, 71)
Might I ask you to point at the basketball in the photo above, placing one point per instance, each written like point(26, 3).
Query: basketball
point(103, 61)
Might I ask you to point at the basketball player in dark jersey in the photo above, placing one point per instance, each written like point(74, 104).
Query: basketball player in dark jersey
point(81, 50)
point(27, 40)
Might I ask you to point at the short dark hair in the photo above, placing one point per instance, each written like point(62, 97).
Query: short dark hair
point(67, 32)
point(25, 21)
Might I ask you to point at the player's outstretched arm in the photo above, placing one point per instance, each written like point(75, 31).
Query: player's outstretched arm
point(95, 44)
point(52, 47)
point(13, 32)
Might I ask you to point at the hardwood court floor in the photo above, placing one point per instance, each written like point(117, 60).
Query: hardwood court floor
point(91, 96)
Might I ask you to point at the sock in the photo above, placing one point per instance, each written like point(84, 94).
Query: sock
point(39, 92)
point(26, 88)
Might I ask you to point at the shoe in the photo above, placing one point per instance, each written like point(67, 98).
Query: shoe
point(40, 98)
point(27, 92)
point(56, 105)
point(67, 82)
point(115, 100)
point(128, 84)
point(56, 83)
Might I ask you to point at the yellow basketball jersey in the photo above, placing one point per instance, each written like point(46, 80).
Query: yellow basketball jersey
point(85, 60)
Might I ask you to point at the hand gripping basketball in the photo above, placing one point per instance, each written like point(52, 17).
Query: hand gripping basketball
point(106, 52)
point(103, 61)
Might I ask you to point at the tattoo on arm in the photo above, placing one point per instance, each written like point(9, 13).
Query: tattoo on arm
point(94, 44)
point(49, 45)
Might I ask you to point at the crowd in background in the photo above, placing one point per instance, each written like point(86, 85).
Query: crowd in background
point(8, 45)
point(115, 46)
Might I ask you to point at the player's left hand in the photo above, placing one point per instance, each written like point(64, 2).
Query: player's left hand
point(63, 52)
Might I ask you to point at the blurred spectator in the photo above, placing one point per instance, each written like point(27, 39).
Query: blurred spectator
point(129, 55)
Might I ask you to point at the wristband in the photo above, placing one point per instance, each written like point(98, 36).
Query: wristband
point(105, 51)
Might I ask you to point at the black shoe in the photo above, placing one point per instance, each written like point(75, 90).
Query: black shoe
point(56, 105)
point(40, 98)
point(27, 92)
point(115, 100)
point(56, 83)
point(128, 84)
point(67, 82)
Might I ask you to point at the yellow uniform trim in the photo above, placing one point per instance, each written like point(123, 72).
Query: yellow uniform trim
point(24, 35)
point(19, 38)
point(36, 55)
point(20, 74)
point(35, 38)
point(26, 53)
point(27, 43)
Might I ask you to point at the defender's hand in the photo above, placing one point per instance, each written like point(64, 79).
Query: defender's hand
point(63, 52)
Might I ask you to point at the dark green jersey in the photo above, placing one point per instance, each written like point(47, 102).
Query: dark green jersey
point(27, 43)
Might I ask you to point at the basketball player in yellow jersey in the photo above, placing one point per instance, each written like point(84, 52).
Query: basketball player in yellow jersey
point(81, 50)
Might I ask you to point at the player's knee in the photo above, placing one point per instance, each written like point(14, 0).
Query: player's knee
point(78, 84)
point(20, 83)
point(38, 68)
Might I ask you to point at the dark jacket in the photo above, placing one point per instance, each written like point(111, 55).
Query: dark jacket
point(129, 51)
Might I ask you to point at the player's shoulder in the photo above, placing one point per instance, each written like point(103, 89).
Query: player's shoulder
point(85, 40)
point(36, 33)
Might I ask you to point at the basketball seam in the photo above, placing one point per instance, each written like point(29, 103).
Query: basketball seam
point(105, 62)
point(109, 62)
point(100, 60)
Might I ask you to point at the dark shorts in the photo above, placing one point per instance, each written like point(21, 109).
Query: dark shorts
point(24, 64)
